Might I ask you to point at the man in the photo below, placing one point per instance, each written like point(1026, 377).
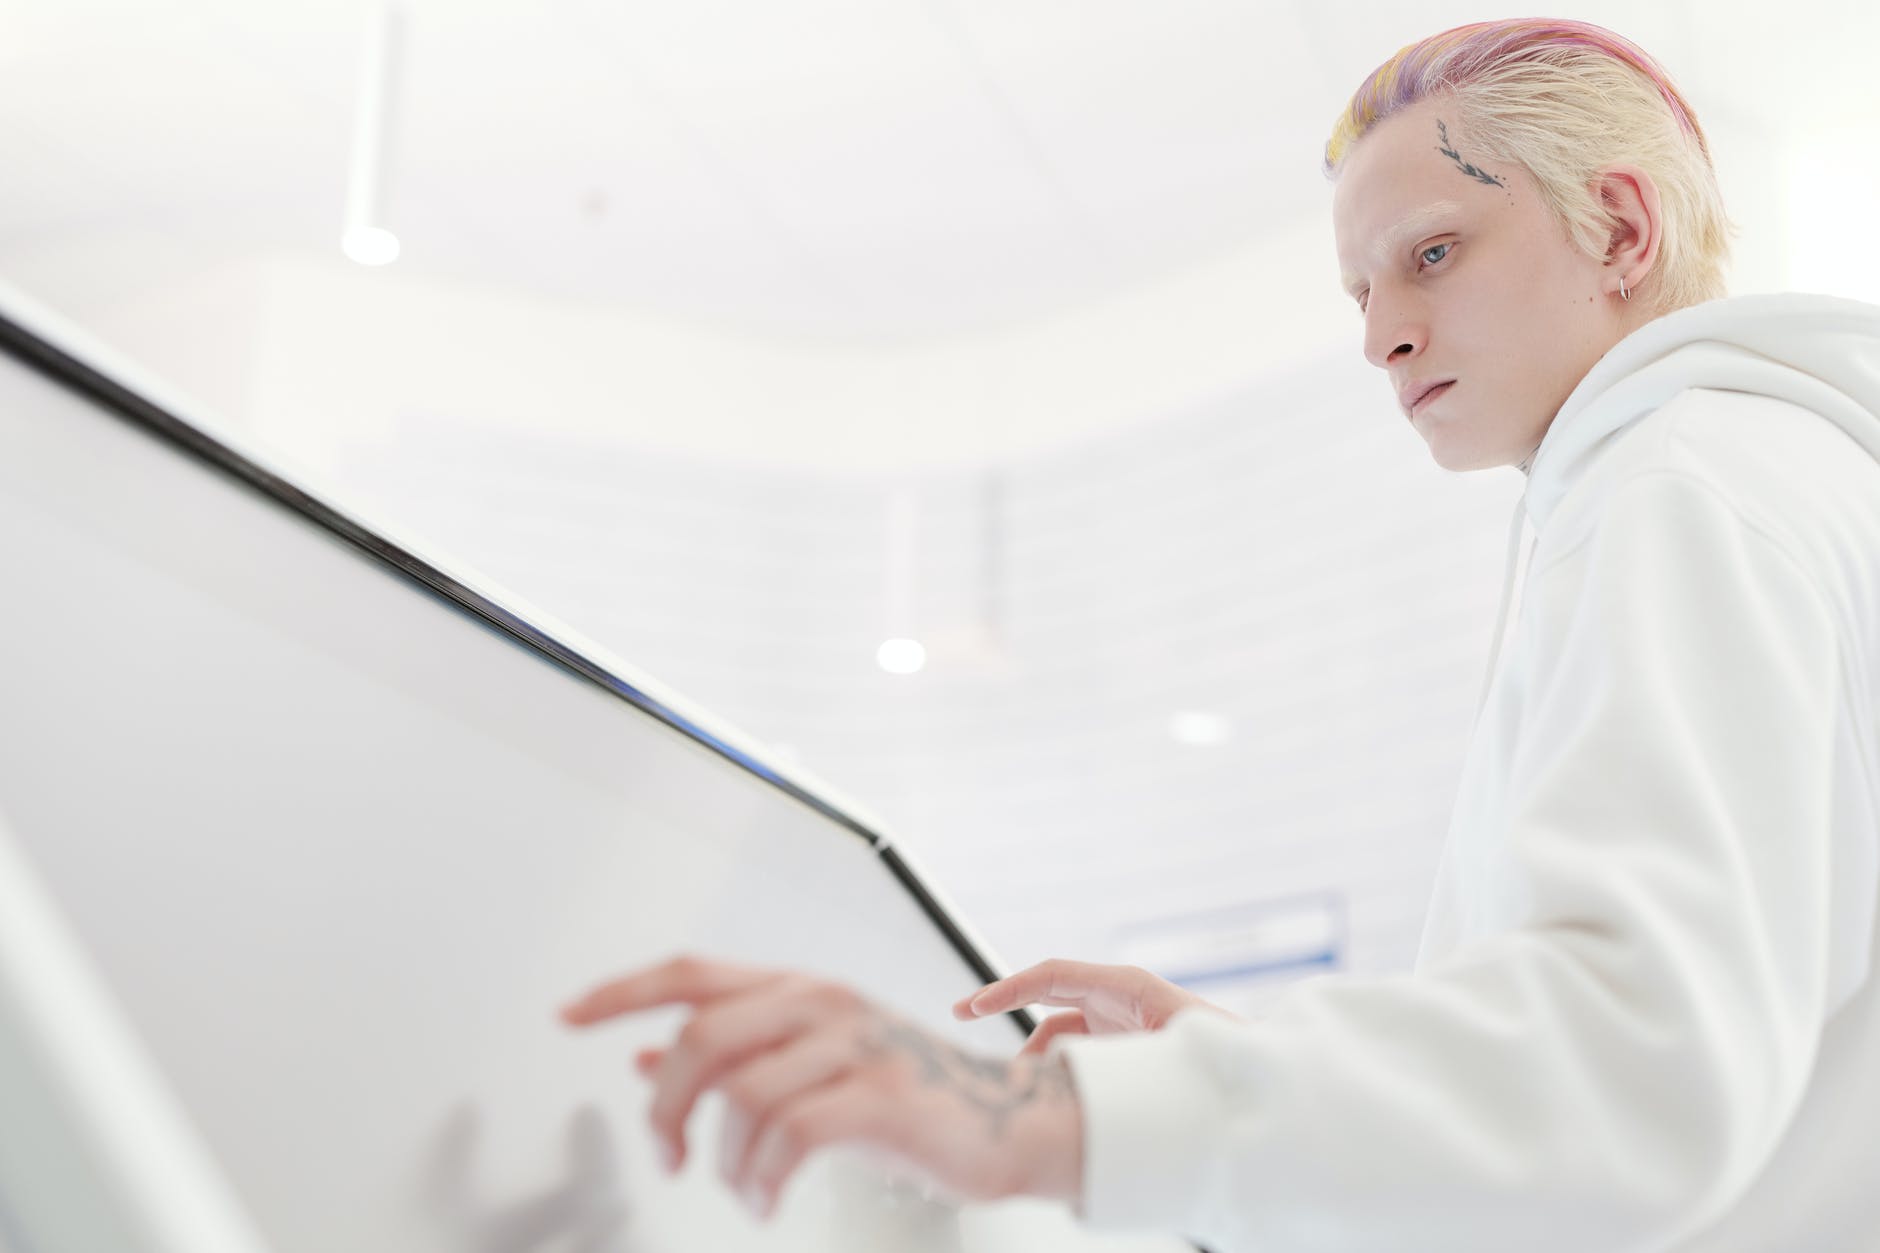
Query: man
point(1644, 1012)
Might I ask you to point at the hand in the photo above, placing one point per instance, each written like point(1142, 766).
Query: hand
point(804, 1063)
point(1104, 999)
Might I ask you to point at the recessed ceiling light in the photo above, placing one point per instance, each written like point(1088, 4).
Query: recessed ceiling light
point(1195, 727)
point(370, 245)
point(901, 656)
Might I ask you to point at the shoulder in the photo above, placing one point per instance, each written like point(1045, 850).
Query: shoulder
point(1787, 470)
point(1779, 468)
point(1772, 454)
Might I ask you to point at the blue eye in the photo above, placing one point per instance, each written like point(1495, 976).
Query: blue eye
point(1363, 301)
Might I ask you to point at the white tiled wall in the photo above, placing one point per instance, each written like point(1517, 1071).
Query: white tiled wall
point(1288, 558)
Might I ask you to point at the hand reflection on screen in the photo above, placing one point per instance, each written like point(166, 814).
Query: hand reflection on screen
point(584, 1213)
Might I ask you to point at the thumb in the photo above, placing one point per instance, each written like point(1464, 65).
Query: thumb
point(1071, 1022)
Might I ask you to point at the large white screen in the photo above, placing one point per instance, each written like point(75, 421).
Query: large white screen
point(340, 848)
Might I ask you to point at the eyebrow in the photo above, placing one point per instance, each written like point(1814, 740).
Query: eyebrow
point(1415, 224)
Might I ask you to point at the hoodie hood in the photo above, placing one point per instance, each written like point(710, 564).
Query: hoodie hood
point(1819, 352)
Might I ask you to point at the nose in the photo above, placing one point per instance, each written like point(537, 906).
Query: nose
point(1393, 330)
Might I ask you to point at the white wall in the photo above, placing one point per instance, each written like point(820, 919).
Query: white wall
point(1192, 496)
point(1285, 556)
point(317, 354)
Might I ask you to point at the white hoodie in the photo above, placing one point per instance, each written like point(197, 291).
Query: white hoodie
point(1642, 1017)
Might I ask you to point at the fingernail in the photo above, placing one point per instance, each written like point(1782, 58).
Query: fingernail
point(757, 1202)
point(669, 1155)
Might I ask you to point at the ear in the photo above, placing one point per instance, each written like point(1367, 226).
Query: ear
point(1630, 198)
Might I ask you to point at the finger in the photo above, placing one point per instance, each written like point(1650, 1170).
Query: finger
point(1070, 1022)
point(1055, 982)
point(725, 1035)
point(755, 1092)
point(836, 1113)
point(963, 1008)
point(680, 981)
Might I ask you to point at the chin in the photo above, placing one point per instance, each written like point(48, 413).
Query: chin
point(1464, 460)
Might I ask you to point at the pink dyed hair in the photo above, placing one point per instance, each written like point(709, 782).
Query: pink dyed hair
point(1560, 99)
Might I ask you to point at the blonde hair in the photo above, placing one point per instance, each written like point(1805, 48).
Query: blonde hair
point(1561, 100)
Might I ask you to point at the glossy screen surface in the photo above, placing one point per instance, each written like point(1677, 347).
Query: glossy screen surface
point(338, 847)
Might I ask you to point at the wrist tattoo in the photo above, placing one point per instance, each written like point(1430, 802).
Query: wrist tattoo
point(999, 1089)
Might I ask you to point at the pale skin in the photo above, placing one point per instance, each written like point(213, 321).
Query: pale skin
point(1487, 288)
point(1484, 287)
point(805, 1063)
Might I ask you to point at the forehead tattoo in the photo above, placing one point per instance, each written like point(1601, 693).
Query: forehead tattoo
point(1418, 222)
point(1442, 130)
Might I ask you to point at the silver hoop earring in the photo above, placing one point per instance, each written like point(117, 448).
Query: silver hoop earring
point(1623, 293)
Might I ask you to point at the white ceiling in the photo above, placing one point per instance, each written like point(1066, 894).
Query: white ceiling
point(858, 169)
point(863, 171)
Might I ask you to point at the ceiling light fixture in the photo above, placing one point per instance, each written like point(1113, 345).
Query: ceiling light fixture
point(1194, 726)
point(900, 653)
point(365, 239)
point(901, 656)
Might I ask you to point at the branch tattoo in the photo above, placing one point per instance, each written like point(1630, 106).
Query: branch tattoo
point(996, 1088)
point(1442, 129)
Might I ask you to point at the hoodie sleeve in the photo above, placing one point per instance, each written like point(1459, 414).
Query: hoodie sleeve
point(1611, 1073)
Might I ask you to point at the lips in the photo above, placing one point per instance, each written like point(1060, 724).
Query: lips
point(1422, 395)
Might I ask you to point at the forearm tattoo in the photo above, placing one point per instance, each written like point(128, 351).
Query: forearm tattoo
point(1442, 129)
point(997, 1088)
